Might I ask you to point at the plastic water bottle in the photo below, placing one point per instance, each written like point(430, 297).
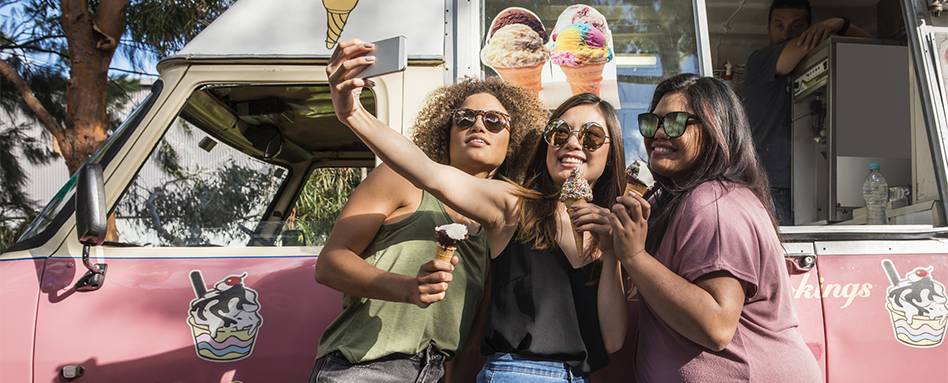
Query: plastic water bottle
point(876, 192)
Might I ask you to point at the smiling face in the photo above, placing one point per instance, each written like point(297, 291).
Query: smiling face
point(561, 161)
point(675, 157)
point(786, 24)
point(476, 150)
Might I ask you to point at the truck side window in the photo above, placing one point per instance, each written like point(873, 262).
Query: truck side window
point(195, 191)
point(244, 165)
point(320, 202)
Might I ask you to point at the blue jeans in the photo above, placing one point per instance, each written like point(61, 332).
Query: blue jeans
point(512, 368)
point(426, 366)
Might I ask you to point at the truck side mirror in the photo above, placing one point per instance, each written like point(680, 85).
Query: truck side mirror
point(91, 222)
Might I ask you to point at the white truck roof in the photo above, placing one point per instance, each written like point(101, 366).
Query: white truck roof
point(299, 28)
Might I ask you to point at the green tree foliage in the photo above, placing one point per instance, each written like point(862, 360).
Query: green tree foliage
point(321, 201)
point(16, 208)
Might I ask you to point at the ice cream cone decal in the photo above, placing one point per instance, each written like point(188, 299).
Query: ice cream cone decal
point(581, 45)
point(337, 13)
point(576, 190)
point(917, 305)
point(516, 48)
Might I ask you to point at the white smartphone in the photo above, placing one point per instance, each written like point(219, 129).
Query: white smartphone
point(390, 56)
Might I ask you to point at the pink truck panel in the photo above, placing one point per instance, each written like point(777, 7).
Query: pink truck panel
point(19, 282)
point(136, 327)
point(866, 341)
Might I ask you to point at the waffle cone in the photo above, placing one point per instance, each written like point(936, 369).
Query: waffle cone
point(337, 13)
point(584, 78)
point(638, 188)
point(336, 22)
point(445, 253)
point(577, 236)
point(528, 77)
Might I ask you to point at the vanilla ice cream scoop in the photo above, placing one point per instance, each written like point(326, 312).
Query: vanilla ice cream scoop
point(448, 237)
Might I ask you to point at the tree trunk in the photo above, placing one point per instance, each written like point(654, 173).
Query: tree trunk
point(92, 41)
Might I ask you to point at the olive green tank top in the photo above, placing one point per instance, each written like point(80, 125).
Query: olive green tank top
point(369, 329)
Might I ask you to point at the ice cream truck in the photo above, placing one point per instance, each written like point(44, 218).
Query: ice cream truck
point(176, 255)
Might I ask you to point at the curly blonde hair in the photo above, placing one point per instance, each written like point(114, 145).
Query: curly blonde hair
point(432, 128)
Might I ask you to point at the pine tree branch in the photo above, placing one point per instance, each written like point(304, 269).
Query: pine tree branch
point(35, 49)
point(29, 44)
point(32, 102)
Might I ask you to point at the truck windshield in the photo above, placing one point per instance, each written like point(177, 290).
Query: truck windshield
point(65, 194)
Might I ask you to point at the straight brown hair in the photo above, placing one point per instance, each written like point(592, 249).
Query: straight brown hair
point(539, 194)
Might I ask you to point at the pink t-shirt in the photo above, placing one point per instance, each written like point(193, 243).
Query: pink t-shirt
point(725, 227)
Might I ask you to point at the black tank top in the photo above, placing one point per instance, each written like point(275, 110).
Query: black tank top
point(540, 306)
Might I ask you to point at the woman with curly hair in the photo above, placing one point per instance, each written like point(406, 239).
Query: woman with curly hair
point(717, 302)
point(556, 310)
point(380, 253)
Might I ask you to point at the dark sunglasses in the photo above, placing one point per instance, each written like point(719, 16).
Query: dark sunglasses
point(494, 121)
point(674, 123)
point(591, 134)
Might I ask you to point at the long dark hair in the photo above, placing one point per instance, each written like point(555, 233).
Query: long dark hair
point(540, 194)
point(728, 153)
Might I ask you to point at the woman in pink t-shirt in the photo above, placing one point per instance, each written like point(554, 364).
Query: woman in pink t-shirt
point(716, 299)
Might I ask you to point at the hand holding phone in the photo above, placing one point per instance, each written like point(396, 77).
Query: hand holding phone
point(390, 57)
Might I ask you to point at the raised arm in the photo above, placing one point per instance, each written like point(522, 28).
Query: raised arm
point(383, 197)
point(802, 47)
point(819, 32)
point(493, 204)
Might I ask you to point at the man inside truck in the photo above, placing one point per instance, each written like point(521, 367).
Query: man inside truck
point(767, 86)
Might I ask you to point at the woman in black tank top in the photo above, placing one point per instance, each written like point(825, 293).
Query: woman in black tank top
point(556, 310)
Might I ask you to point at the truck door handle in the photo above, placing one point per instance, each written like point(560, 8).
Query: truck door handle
point(800, 263)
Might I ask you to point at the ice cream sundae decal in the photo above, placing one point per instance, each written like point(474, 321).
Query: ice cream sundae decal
point(918, 306)
point(224, 320)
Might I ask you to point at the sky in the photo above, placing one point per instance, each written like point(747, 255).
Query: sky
point(118, 61)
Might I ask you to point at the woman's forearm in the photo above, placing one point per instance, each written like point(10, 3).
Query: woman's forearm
point(612, 305)
point(345, 271)
point(706, 314)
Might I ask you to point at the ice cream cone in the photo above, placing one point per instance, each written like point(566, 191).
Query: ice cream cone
point(337, 13)
point(577, 236)
point(584, 78)
point(527, 77)
point(636, 187)
point(445, 253)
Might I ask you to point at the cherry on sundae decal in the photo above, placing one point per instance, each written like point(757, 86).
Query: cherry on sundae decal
point(224, 320)
point(918, 306)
